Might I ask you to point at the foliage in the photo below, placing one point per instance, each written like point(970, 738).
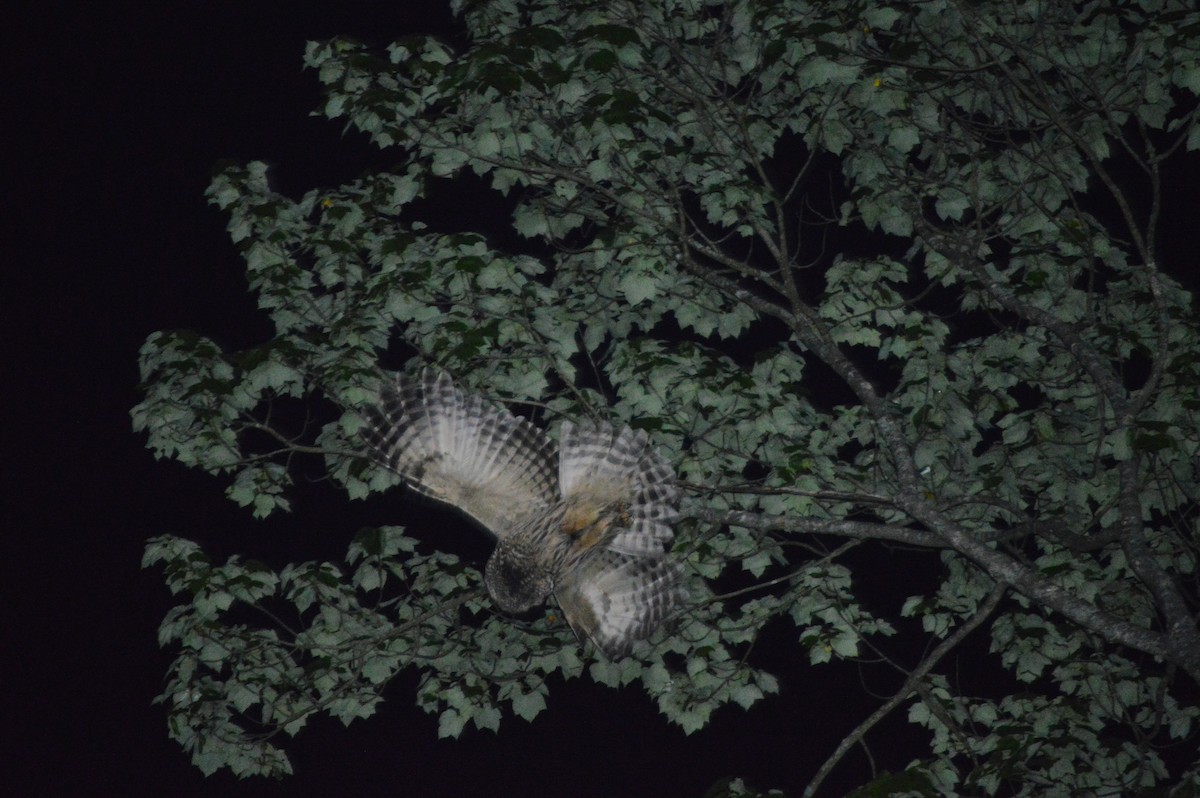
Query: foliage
point(871, 274)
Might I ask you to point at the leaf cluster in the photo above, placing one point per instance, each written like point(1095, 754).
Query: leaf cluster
point(871, 275)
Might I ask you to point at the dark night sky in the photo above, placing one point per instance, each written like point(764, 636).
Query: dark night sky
point(119, 118)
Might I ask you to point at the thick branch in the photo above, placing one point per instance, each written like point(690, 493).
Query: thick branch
point(1001, 567)
point(1028, 581)
point(1182, 638)
point(861, 530)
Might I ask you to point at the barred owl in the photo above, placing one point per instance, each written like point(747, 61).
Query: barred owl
point(590, 530)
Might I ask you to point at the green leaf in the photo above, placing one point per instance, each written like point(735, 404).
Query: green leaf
point(601, 61)
point(528, 705)
point(638, 288)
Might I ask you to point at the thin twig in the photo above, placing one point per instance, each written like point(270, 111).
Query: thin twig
point(908, 688)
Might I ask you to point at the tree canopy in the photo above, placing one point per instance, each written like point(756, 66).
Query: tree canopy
point(870, 274)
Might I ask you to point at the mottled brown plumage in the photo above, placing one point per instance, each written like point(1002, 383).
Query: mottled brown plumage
point(591, 530)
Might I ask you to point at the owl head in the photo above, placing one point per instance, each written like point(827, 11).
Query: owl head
point(516, 581)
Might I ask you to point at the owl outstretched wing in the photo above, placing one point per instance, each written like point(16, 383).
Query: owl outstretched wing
point(624, 586)
point(600, 466)
point(616, 599)
point(462, 450)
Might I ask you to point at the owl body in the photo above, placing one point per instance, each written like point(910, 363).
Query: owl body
point(590, 529)
point(524, 566)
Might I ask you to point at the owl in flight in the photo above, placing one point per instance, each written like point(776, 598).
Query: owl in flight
point(591, 529)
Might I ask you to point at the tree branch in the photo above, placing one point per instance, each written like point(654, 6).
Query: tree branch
point(910, 685)
point(1182, 638)
point(861, 530)
point(1029, 582)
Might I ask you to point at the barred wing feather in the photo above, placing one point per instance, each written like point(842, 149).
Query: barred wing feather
point(603, 467)
point(495, 467)
point(616, 599)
